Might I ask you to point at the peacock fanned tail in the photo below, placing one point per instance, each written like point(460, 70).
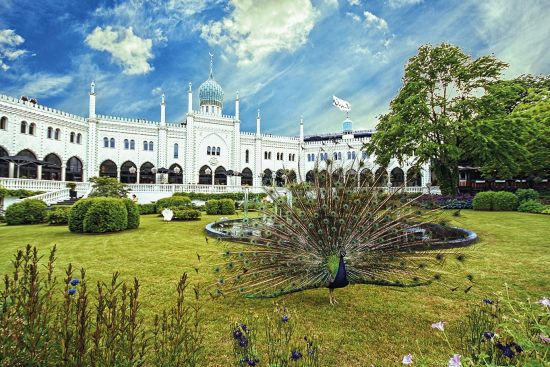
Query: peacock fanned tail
point(299, 241)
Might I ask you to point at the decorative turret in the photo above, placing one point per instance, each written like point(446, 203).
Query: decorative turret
point(258, 123)
point(163, 110)
point(237, 107)
point(302, 129)
point(92, 101)
point(211, 94)
point(347, 126)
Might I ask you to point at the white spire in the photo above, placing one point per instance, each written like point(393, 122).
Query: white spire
point(162, 99)
point(92, 87)
point(190, 90)
point(190, 99)
point(258, 123)
point(91, 109)
point(302, 128)
point(237, 115)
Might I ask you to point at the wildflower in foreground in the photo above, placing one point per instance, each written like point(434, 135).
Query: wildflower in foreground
point(408, 359)
point(440, 325)
point(544, 339)
point(295, 355)
point(71, 291)
point(488, 302)
point(455, 361)
point(545, 301)
point(285, 318)
point(74, 282)
point(488, 335)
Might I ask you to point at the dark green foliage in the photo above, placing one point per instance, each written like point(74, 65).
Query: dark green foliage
point(504, 201)
point(44, 322)
point(77, 214)
point(237, 196)
point(29, 211)
point(527, 194)
point(108, 187)
point(18, 193)
point(59, 215)
point(106, 215)
point(483, 200)
point(133, 213)
point(186, 214)
point(227, 206)
point(150, 208)
point(212, 207)
point(531, 206)
point(174, 201)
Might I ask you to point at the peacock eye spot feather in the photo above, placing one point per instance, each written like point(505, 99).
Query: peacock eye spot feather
point(461, 257)
point(470, 277)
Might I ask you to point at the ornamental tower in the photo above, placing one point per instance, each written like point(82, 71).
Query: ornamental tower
point(211, 94)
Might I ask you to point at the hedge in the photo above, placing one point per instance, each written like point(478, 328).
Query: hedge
point(150, 208)
point(531, 206)
point(174, 201)
point(212, 207)
point(78, 212)
point(483, 200)
point(227, 206)
point(527, 194)
point(29, 211)
point(18, 193)
point(186, 214)
point(59, 215)
point(106, 215)
point(133, 213)
point(504, 201)
point(237, 196)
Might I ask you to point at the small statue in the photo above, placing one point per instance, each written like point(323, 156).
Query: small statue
point(167, 214)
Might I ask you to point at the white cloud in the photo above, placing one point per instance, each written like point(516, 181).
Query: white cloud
point(354, 2)
point(355, 17)
point(127, 49)
point(157, 91)
point(254, 31)
point(9, 40)
point(372, 20)
point(401, 3)
point(45, 85)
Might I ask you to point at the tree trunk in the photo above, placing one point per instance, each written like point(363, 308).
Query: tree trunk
point(447, 176)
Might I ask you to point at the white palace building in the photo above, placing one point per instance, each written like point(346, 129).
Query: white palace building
point(42, 148)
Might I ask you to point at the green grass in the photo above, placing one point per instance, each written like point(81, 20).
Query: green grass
point(371, 325)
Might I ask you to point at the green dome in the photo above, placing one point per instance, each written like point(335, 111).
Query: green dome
point(210, 92)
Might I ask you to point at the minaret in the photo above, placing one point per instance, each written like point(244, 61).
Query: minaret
point(163, 111)
point(258, 123)
point(190, 99)
point(301, 129)
point(237, 107)
point(92, 101)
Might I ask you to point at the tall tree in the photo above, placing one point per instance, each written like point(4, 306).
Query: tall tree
point(433, 112)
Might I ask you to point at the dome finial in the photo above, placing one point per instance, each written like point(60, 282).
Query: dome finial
point(211, 76)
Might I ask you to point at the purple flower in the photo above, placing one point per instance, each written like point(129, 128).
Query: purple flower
point(237, 334)
point(71, 291)
point(544, 339)
point(285, 318)
point(455, 361)
point(545, 301)
point(488, 335)
point(507, 349)
point(440, 325)
point(244, 327)
point(295, 355)
point(488, 302)
point(74, 282)
point(250, 362)
point(243, 342)
point(408, 359)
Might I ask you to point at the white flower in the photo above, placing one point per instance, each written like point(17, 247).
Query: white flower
point(408, 359)
point(545, 301)
point(455, 361)
point(440, 325)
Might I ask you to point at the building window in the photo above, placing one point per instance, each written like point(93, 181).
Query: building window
point(4, 123)
point(71, 137)
point(112, 141)
point(126, 144)
point(32, 128)
point(105, 142)
point(176, 150)
point(151, 146)
point(365, 155)
point(246, 156)
point(218, 151)
point(50, 132)
point(339, 156)
point(79, 138)
point(57, 134)
point(132, 144)
point(353, 155)
point(208, 150)
point(23, 127)
point(145, 145)
point(206, 109)
point(265, 155)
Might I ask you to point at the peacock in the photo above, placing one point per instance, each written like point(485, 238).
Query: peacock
point(336, 230)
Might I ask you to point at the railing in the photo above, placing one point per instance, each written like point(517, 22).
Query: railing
point(39, 185)
point(209, 189)
point(52, 197)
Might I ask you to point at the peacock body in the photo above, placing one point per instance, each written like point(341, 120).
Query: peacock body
point(334, 231)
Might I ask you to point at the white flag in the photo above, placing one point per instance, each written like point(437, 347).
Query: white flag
point(341, 104)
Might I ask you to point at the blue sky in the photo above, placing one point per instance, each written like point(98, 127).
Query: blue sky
point(286, 57)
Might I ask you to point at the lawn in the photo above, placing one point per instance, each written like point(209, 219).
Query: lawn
point(372, 325)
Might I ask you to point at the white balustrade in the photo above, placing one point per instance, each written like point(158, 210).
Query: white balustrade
point(52, 197)
point(38, 185)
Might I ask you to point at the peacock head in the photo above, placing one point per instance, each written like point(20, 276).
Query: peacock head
point(343, 252)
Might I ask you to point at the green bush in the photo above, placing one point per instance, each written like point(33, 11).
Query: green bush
point(547, 210)
point(150, 208)
point(77, 214)
point(527, 194)
point(30, 211)
point(108, 187)
point(531, 206)
point(174, 201)
point(504, 201)
point(186, 214)
point(227, 195)
point(106, 215)
point(483, 200)
point(133, 213)
point(227, 206)
point(212, 207)
point(59, 215)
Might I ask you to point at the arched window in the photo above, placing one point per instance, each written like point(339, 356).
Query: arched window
point(151, 146)
point(175, 174)
point(265, 155)
point(73, 172)
point(71, 137)
point(220, 176)
point(3, 123)
point(205, 175)
point(23, 127)
point(105, 142)
point(128, 172)
point(108, 169)
point(79, 138)
point(112, 142)
point(4, 166)
point(145, 145)
point(381, 177)
point(208, 150)
point(27, 170)
point(126, 144)
point(32, 128)
point(397, 177)
point(132, 144)
point(269, 155)
point(50, 132)
point(246, 177)
point(218, 151)
point(353, 155)
point(145, 173)
point(246, 157)
point(176, 150)
point(52, 170)
point(266, 178)
point(57, 134)
point(206, 109)
point(339, 156)
point(349, 155)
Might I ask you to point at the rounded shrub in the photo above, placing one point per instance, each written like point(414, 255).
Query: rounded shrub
point(150, 208)
point(106, 215)
point(483, 200)
point(133, 213)
point(527, 194)
point(504, 201)
point(227, 206)
point(77, 214)
point(212, 207)
point(531, 206)
point(174, 201)
point(30, 211)
point(59, 215)
point(186, 214)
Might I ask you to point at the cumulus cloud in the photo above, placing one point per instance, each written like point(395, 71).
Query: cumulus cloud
point(127, 49)
point(372, 20)
point(402, 3)
point(254, 31)
point(9, 40)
